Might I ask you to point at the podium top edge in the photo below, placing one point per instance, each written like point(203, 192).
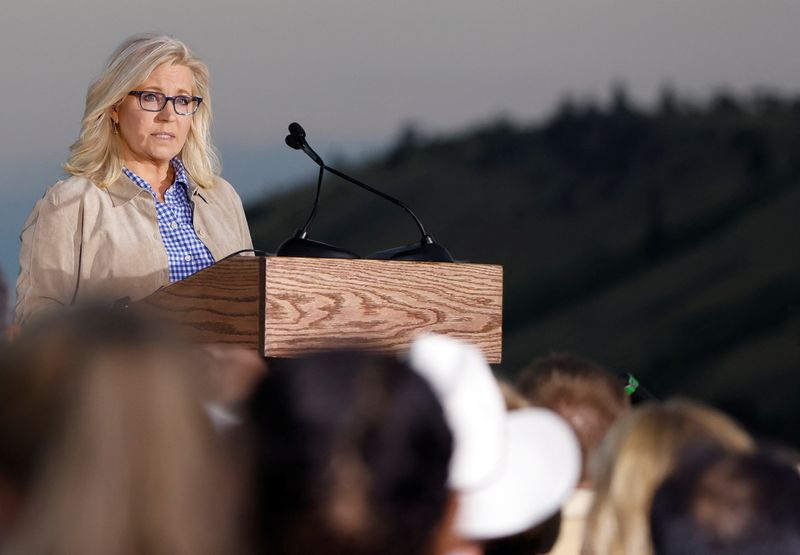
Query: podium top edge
point(272, 257)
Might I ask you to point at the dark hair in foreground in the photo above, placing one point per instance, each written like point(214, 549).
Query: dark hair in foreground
point(352, 457)
point(728, 504)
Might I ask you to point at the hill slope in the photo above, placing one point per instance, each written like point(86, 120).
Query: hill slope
point(663, 243)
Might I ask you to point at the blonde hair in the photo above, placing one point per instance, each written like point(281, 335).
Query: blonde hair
point(129, 461)
point(638, 453)
point(97, 152)
point(512, 398)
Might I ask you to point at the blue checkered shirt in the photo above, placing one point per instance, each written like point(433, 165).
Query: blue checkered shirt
point(186, 253)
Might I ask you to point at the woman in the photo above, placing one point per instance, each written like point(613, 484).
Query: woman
point(636, 455)
point(144, 204)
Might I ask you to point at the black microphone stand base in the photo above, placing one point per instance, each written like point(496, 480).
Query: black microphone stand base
point(422, 252)
point(307, 248)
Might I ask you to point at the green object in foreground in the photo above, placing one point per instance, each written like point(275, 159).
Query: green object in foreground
point(632, 386)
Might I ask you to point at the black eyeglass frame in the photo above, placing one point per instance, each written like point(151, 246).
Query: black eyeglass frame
point(198, 99)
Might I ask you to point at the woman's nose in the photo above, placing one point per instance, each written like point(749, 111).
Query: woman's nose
point(167, 113)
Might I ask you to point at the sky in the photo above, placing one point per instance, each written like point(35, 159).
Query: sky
point(353, 72)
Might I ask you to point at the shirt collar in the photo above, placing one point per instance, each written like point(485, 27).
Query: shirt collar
point(124, 189)
point(182, 177)
point(180, 172)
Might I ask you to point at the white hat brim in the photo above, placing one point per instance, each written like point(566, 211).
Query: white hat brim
point(540, 469)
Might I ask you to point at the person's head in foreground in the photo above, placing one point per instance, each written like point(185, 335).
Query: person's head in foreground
point(352, 455)
point(104, 441)
point(590, 399)
point(586, 395)
point(636, 455)
point(728, 504)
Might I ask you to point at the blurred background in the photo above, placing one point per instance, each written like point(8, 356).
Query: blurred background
point(631, 163)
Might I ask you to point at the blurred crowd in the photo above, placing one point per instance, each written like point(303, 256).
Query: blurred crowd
point(119, 437)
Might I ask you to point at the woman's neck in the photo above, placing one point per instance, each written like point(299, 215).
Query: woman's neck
point(158, 175)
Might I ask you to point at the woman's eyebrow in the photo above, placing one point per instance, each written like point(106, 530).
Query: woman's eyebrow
point(156, 88)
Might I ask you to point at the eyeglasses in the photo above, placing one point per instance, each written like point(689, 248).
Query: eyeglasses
point(155, 101)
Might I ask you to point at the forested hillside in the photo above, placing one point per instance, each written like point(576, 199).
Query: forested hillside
point(663, 242)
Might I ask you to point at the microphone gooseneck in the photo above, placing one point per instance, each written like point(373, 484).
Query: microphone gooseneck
point(303, 232)
point(427, 249)
point(296, 139)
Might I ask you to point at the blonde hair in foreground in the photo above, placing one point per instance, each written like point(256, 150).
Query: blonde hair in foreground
point(638, 453)
point(131, 463)
point(96, 154)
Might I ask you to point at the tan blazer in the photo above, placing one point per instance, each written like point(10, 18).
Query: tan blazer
point(82, 242)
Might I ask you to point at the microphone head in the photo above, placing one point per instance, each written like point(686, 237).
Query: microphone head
point(297, 130)
point(294, 141)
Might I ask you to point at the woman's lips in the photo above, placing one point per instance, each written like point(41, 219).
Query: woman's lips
point(163, 136)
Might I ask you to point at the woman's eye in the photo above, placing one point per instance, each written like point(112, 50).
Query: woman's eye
point(150, 97)
point(182, 100)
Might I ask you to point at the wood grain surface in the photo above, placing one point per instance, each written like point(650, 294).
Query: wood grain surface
point(220, 304)
point(314, 304)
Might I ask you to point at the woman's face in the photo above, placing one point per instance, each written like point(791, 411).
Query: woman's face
point(155, 137)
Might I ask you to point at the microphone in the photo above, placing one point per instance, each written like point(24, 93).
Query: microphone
point(426, 250)
point(300, 245)
point(296, 139)
point(294, 142)
point(296, 130)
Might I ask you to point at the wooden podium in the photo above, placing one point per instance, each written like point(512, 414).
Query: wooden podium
point(284, 307)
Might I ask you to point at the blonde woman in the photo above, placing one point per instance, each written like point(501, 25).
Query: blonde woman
point(144, 204)
point(636, 455)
